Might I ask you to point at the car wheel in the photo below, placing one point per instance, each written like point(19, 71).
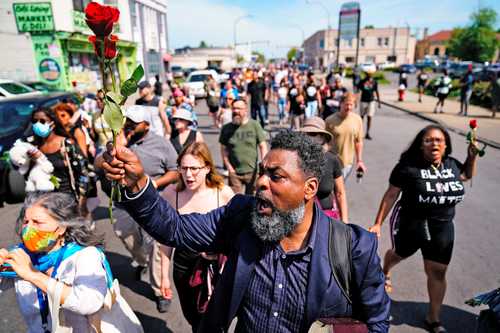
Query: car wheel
point(17, 186)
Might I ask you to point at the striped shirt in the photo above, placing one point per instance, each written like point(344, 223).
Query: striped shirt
point(275, 300)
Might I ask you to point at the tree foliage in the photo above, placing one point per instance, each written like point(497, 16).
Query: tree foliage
point(203, 45)
point(477, 41)
point(260, 57)
point(292, 54)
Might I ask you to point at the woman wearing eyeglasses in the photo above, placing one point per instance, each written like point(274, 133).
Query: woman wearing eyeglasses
point(199, 190)
point(430, 183)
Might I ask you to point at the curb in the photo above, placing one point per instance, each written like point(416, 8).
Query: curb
point(487, 142)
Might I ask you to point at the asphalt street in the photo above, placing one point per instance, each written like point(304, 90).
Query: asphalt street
point(475, 266)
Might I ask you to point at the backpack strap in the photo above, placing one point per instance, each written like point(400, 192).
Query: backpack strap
point(339, 254)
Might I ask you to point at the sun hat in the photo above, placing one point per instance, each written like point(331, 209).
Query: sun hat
point(184, 114)
point(316, 125)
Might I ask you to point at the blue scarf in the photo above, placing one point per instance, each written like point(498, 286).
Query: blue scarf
point(44, 261)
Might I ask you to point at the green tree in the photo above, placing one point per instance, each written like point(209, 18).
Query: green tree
point(203, 45)
point(292, 54)
point(369, 26)
point(477, 41)
point(260, 57)
point(240, 59)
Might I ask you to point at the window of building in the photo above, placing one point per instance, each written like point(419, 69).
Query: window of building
point(362, 42)
point(436, 51)
point(133, 13)
point(80, 4)
point(349, 59)
point(370, 59)
point(111, 3)
point(386, 41)
point(392, 58)
point(379, 41)
point(337, 42)
point(321, 43)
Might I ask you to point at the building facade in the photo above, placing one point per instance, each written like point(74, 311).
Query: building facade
point(433, 45)
point(376, 45)
point(148, 20)
point(48, 42)
point(201, 58)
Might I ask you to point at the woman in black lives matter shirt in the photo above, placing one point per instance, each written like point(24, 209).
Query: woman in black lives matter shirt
point(430, 184)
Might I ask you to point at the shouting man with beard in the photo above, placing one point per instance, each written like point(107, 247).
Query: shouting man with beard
point(278, 276)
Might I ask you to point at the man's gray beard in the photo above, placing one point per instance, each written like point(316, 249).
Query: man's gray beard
point(277, 226)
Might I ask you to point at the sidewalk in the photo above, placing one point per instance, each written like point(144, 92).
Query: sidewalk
point(489, 128)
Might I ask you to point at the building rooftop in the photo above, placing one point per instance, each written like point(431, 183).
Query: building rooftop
point(440, 36)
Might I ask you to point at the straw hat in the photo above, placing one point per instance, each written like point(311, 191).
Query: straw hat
point(316, 125)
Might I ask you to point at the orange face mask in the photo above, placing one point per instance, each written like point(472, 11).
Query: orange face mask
point(37, 240)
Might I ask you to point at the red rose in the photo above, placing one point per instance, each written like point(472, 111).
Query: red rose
point(100, 19)
point(473, 123)
point(109, 46)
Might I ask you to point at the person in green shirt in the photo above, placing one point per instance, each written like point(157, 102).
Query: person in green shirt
point(241, 142)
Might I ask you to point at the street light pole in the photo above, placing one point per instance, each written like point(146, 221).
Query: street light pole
point(296, 26)
point(234, 28)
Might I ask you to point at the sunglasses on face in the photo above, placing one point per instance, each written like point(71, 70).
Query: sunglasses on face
point(41, 121)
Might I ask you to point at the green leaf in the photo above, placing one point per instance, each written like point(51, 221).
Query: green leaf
point(138, 74)
point(128, 87)
point(113, 116)
point(115, 97)
point(55, 181)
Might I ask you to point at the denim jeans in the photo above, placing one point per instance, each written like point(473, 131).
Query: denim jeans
point(312, 109)
point(281, 108)
point(260, 111)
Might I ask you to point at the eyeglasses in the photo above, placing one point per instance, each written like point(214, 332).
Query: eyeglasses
point(430, 141)
point(194, 169)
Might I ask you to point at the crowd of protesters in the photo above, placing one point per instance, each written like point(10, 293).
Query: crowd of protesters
point(302, 169)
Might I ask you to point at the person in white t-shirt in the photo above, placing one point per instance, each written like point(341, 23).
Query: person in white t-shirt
point(443, 89)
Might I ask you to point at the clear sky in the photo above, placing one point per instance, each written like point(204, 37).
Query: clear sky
point(277, 24)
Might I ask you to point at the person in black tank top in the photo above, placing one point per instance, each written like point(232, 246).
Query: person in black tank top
point(200, 190)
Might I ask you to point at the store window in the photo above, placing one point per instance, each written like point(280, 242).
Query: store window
point(80, 4)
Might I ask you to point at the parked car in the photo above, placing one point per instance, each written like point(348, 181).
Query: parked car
point(427, 63)
point(40, 86)
point(15, 113)
point(188, 71)
point(368, 67)
point(196, 82)
point(386, 65)
point(408, 68)
point(177, 72)
point(457, 70)
point(9, 88)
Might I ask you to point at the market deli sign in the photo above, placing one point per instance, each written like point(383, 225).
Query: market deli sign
point(34, 17)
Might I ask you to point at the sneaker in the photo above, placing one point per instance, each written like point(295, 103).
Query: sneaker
point(162, 304)
point(368, 137)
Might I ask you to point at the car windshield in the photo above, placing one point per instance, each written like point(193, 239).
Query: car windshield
point(14, 115)
point(176, 68)
point(198, 78)
point(15, 88)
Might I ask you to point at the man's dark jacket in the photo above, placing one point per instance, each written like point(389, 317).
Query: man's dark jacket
point(227, 230)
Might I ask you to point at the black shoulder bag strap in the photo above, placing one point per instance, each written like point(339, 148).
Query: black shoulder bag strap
point(339, 254)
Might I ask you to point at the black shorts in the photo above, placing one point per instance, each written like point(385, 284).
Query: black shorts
point(442, 97)
point(213, 108)
point(434, 238)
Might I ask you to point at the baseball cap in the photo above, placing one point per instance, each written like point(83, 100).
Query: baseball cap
point(136, 113)
point(144, 84)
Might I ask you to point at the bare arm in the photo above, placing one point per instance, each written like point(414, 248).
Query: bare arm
point(358, 147)
point(165, 258)
point(81, 141)
point(168, 178)
point(164, 119)
point(263, 149)
point(225, 158)
point(341, 197)
point(470, 163)
point(390, 197)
